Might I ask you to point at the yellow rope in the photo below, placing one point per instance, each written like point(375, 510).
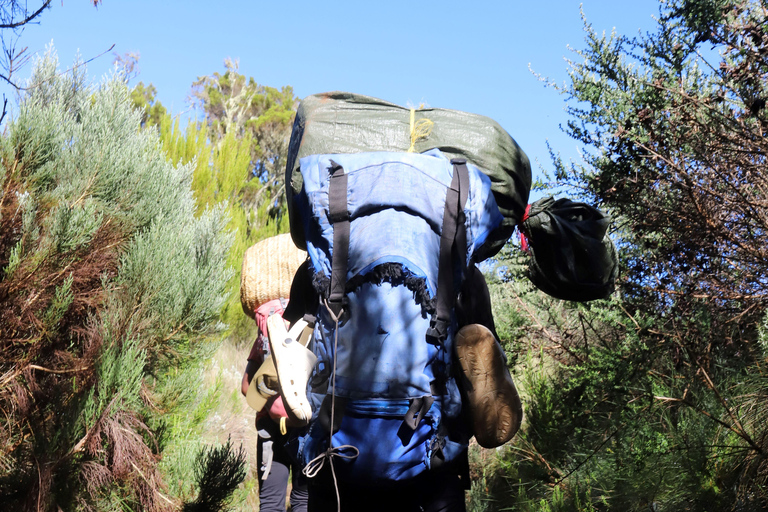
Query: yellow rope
point(283, 427)
point(420, 130)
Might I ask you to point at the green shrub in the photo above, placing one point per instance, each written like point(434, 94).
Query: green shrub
point(111, 285)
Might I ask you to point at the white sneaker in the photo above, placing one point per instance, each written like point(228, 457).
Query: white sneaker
point(294, 363)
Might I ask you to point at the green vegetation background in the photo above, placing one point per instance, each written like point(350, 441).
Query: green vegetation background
point(123, 341)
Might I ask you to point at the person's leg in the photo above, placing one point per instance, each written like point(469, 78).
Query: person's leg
point(282, 459)
point(299, 491)
point(272, 488)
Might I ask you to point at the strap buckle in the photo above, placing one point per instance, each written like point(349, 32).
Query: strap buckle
point(438, 330)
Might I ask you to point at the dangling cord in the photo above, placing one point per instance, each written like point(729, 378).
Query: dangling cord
point(419, 130)
point(315, 465)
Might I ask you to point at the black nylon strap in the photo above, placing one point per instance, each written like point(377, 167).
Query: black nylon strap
point(418, 408)
point(338, 215)
point(453, 244)
point(460, 166)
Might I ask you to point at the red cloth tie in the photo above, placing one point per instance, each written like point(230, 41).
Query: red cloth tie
point(523, 238)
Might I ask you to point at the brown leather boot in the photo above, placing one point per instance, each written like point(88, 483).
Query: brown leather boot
point(494, 405)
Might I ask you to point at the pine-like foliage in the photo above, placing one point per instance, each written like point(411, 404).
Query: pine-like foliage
point(655, 399)
point(220, 176)
point(110, 292)
point(218, 472)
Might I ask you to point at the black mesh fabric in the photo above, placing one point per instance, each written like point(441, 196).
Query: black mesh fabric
point(572, 257)
point(392, 273)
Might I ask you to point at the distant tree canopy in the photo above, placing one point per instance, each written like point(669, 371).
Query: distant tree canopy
point(233, 104)
point(239, 151)
point(144, 97)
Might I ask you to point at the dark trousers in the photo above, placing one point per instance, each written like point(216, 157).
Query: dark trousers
point(274, 460)
point(431, 492)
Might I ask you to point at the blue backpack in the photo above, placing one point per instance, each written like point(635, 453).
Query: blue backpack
point(389, 237)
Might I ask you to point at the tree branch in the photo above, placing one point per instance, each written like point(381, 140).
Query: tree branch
point(29, 18)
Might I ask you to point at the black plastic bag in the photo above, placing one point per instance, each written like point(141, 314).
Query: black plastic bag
point(572, 257)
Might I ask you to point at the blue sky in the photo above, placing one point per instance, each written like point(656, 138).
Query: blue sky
point(471, 56)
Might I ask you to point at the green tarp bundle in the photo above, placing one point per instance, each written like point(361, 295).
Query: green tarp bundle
point(339, 122)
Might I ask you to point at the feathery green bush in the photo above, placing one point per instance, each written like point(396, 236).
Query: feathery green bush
point(111, 289)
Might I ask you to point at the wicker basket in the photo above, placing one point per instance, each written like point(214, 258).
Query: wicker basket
point(268, 269)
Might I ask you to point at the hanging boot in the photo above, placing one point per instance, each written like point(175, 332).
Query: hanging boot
point(494, 404)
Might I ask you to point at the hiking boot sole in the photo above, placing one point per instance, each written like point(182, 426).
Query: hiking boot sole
point(494, 404)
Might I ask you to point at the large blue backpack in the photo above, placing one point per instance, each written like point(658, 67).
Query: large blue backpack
point(389, 236)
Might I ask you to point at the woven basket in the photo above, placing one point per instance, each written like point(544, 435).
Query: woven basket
point(268, 269)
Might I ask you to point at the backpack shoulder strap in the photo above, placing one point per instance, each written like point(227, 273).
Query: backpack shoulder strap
point(338, 215)
point(453, 244)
